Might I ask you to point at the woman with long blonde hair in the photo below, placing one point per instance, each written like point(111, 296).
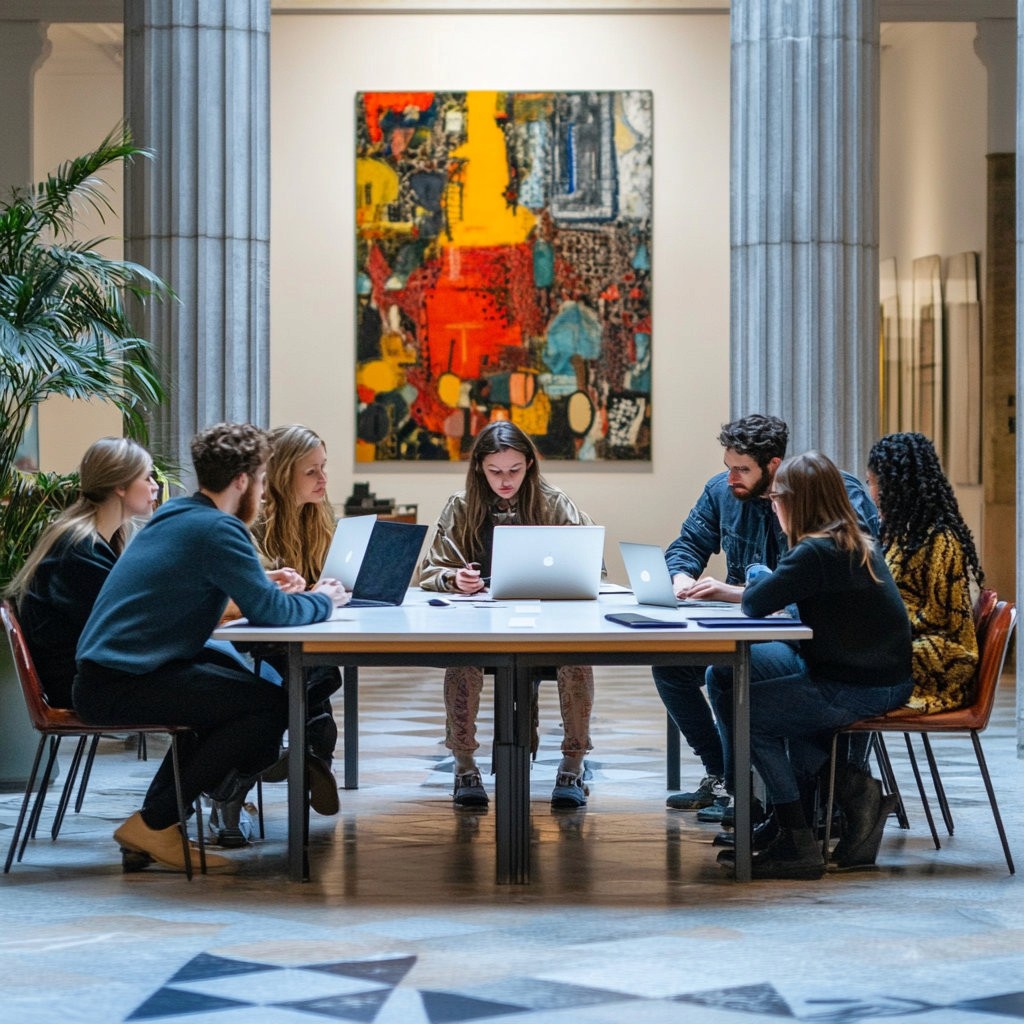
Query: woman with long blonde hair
point(856, 665)
point(57, 586)
point(294, 531)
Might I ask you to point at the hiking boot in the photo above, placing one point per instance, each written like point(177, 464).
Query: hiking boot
point(569, 791)
point(711, 789)
point(469, 790)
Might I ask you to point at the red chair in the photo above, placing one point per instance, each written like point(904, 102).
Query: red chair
point(54, 724)
point(996, 624)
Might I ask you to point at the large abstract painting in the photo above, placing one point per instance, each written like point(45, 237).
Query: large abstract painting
point(503, 247)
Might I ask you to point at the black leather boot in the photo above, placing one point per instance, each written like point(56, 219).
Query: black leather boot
point(795, 855)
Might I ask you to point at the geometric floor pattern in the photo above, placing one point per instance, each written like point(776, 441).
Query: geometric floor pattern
point(627, 919)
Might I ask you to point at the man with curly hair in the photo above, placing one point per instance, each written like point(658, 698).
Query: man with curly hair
point(733, 515)
point(142, 656)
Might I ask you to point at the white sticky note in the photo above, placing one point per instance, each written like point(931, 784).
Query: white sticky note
point(522, 622)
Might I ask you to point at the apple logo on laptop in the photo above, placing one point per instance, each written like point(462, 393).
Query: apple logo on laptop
point(549, 560)
point(645, 576)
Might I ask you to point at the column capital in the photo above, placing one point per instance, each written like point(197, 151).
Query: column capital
point(996, 47)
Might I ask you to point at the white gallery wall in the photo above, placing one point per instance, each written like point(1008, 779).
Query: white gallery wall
point(319, 63)
point(932, 173)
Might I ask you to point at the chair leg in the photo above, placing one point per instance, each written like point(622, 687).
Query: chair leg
point(940, 789)
point(672, 777)
point(69, 786)
point(831, 800)
point(889, 780)
point(44, 788)
point(142, 751)
point(24, 805)
point(920, 788)
point(86, 773)
point(983, 766)
point(182, 816)
point(259, 806)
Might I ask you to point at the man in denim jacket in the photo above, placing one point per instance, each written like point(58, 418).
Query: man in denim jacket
point(733, 515)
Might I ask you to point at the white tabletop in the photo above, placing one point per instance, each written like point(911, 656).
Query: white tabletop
point(516, 623)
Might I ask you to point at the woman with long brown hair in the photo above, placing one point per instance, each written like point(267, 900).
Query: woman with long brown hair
point(503, 487)
point(856, 665)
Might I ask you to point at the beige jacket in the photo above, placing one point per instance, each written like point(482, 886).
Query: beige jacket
point(439, 564)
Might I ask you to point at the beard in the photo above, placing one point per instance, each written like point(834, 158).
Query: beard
point(757, 491)
point(248, 505)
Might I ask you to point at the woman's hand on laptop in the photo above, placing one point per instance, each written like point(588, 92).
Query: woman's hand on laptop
point(467, 579)
point(335, 590)
point(287, 580)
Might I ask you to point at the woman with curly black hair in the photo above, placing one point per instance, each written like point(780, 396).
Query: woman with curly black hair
point(931, 555)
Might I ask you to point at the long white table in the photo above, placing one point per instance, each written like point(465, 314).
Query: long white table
point(511, 638)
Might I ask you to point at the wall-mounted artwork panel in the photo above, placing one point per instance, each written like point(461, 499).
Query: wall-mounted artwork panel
point(889, 347)
point(929, 391)
point(963, 366)
point(503, 248)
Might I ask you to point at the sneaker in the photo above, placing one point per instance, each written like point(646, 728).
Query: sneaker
point(569, 791)
point(711, 788)
point(469, 790)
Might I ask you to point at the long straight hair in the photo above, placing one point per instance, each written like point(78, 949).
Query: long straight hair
point(811, 490)
point(294, 535)
point(531, 508)
point(108, 464)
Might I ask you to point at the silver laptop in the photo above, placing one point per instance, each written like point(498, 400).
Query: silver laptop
point(650, 580)
point(345, 555)
point(547, 562)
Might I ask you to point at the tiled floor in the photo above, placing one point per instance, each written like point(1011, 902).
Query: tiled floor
point(628, 917)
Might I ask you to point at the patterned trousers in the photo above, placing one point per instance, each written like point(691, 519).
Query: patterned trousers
point(462, 686)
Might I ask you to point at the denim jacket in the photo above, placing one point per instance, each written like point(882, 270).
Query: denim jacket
point(746, 531)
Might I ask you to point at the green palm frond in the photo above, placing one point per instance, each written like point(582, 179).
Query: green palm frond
point(64, 323)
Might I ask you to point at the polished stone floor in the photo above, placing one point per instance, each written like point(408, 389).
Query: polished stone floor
point(628, 917)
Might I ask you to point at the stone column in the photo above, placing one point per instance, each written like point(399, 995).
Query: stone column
point(23, 48)
point(804, 220)
point(197, 94)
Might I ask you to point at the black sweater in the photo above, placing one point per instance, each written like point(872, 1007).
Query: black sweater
point(861, 629)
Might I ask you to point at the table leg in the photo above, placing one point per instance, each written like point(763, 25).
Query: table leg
point(512, 687)
point(741, 758)
point(298, 794)
point(350, 696)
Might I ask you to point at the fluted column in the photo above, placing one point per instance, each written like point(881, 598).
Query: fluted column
point(804, 220)
point(23, 48)
point(197, 93)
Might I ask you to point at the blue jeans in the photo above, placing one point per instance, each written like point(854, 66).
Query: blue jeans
point(679, 687)
point(793, 716)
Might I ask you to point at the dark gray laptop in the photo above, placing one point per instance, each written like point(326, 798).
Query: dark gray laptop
point(388, 564)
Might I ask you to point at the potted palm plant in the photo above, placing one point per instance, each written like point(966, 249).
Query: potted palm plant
point(64, 330)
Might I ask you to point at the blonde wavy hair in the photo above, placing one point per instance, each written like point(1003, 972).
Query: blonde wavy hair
point(288, 534)
point(108, 464)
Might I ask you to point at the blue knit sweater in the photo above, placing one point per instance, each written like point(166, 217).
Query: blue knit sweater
point(167, 592)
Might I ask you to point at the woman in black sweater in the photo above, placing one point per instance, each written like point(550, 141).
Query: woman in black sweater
point(858, 664)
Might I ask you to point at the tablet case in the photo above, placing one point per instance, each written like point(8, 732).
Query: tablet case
point(635, 621)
